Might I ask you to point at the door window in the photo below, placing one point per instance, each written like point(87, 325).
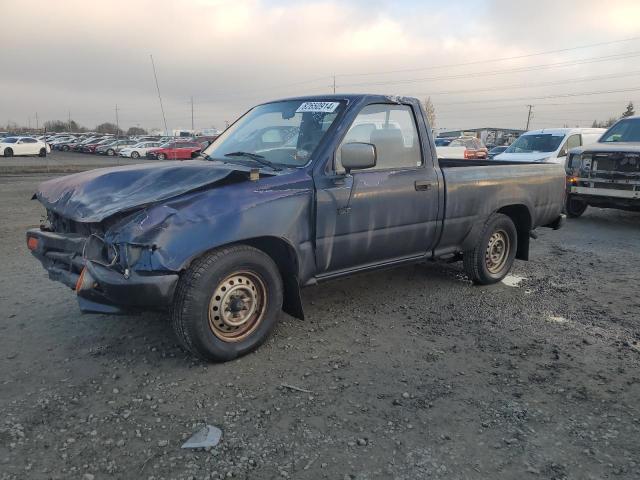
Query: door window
point(392, 130)
point(572, 142)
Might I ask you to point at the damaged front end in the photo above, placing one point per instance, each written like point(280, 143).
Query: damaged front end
point(104, 275)
point(609, 179)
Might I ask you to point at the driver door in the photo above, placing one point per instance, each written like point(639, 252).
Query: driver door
point(382, 214)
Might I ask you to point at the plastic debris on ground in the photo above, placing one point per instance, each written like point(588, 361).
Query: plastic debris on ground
point(206, 437)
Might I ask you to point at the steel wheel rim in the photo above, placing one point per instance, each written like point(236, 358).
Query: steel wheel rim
point(497, 251)
point(237, 306)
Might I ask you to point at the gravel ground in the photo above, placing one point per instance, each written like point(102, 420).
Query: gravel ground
point(411, 373)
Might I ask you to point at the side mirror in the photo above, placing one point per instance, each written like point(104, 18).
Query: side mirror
point(358, 156)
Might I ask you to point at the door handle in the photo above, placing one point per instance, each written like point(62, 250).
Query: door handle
point(422, 185)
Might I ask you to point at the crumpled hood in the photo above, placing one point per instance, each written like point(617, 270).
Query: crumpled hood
point(97, 194)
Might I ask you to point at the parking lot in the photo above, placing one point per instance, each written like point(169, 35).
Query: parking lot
point(61, 162)
point(405, 374)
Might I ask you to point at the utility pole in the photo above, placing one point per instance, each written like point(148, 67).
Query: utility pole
point(192, 128)
point(334, 84)
point(69, 120)
point(117, 123)
point(529, 116)
point(37, 123)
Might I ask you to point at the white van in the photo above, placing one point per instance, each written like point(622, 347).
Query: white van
point(549, 145)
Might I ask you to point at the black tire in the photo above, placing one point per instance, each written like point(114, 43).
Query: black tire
point(574, 207)
point(194, 318)
point(42, 152)
point(161, 156)
point(486, 263)
point(135, 154)
point(8, 152)
point(111, 152)
point(65, 148)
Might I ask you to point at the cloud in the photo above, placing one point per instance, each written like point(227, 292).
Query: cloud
point(87, 57)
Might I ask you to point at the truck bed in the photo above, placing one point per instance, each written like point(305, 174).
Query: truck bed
point(473, 193)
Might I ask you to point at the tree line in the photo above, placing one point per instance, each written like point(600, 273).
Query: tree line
point(629, 112)
point(57, 126)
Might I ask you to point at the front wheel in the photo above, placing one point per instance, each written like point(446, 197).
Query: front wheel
point(574, 207)
point(8, 152)
point(42, 152)
point(111, 152)
point(491, 258)
point(161, 156)
point(227, 303)
point(135, 155)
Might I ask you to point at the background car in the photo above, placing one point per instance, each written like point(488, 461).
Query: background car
point(443, 141)
point(10, 146)
point(496, 151)
point(91, 147)
point(549, 145)
point(139, 149)
point(175, 151)
point(467, 148)
point(114, 147)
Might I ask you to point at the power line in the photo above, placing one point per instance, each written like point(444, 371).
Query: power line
point(563, 95)
point(437, 66)
point(533, 85)
point(543, 66)
point(493, 60)
point(538, 105)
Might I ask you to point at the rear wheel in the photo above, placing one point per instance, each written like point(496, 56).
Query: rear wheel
point(111, 152)
point(8, 152)
point(491, 258)
point(574, 207)
point(227, 303)
point(42, 152)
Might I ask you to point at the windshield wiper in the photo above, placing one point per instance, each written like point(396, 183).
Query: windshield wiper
point(253, 156)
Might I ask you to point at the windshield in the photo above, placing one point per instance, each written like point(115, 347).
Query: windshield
point(9, 140)
point(623, 131)
point(536, 142)
point(282, 133)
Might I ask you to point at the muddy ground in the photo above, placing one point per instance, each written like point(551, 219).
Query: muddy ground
point(411, 373)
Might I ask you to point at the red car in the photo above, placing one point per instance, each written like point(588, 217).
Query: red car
point(175, 151)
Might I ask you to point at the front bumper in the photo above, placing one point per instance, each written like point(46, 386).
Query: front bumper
point(99, 288)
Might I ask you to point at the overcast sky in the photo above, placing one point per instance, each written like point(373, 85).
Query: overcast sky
point(85, 57)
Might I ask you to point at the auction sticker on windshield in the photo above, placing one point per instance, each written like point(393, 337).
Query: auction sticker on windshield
point(325, 107)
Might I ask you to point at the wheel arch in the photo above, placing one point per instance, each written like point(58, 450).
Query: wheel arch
point(521, 217)
point(286, 259)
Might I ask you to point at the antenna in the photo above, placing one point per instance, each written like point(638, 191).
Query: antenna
point(164, 119)
point(192, 129)
point(117, 123)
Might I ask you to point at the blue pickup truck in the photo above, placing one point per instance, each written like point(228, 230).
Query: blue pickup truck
point(295, 192)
